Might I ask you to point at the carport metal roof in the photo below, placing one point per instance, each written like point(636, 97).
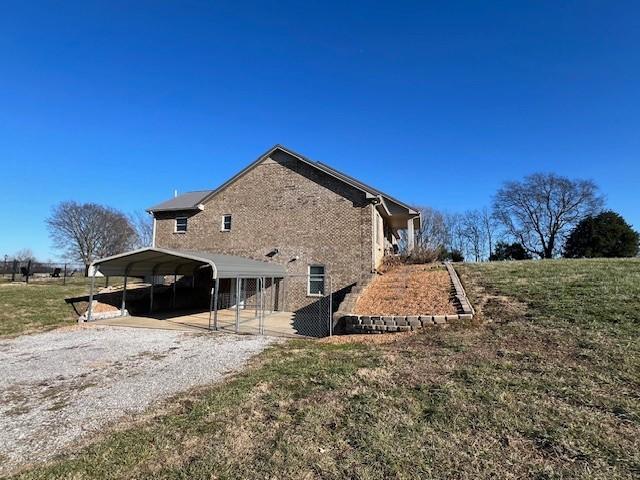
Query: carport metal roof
point(161, 261)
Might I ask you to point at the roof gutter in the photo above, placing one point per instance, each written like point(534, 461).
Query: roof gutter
point(181, 209)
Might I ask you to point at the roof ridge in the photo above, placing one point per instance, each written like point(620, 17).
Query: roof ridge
point(209, 193)
point(345, 176)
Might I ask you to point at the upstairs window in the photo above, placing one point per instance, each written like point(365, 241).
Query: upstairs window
point(226, 223)
point(181, 224)
point(315, 285)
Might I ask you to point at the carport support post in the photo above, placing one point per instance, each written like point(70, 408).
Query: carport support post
point(211, 305)
point(284, 294)
point(262, 283)
point(173, 295)
point(256, 294)
point(154, 271)
point(272, 293)
point(124, 295)
point(89, 309)
point(258, 301)
point(237, 304)
point(151, 296)
point(215, 305)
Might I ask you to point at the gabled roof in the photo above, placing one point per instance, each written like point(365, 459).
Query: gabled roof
point(186, 201)
point(368, 190)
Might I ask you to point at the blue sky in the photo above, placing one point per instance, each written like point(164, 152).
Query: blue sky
point(436, 103)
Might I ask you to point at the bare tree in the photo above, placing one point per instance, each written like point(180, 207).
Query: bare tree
point(539, 211)
point(89, 231)
point(143, 225)
point(454, 236)
point(432, 233)
point(24, 255)
point(490, 225)
point(473, 232)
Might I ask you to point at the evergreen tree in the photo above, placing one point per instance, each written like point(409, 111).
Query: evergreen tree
point(506, 251)
point(605, 235)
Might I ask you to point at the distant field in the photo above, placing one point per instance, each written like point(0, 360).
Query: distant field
point(548, 390)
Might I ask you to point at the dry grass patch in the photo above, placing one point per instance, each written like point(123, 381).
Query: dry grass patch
point(406, 290)
point(366, 338)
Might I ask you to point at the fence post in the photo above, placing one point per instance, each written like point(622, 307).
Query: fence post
point(64, 277)
point(14, 270)
point(330, 307)
point(28, 270)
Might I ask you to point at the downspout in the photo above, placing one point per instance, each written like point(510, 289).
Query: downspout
point(373, 238)
point(153, 234)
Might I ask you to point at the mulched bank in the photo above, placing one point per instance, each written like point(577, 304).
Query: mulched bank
point(408, 289)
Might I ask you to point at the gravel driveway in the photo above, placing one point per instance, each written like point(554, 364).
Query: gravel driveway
point(59, 386)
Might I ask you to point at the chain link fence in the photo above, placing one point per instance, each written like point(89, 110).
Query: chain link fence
point(312, 310)
point(267, 304)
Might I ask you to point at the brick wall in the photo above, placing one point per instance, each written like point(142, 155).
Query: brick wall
point(285, 204)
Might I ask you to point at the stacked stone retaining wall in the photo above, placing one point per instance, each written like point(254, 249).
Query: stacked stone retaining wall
point(354, 323)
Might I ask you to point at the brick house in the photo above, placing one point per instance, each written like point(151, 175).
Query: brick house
point(286, 235)
point(287, 209)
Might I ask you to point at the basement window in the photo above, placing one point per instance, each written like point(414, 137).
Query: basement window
point(181, 225)
point(226, 223)
point(315, 286)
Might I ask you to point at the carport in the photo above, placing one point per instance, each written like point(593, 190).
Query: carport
point(266, 280)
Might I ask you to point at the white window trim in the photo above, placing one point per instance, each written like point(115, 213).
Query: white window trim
point(324, 280)
point(222, 229)
point(175, 225)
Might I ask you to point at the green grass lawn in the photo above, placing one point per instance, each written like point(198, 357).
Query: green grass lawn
point(39, 305)
point(550, 389)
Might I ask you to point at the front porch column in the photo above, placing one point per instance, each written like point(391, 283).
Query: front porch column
point(411, 236)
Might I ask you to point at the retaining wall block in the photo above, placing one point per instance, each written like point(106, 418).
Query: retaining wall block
point(366, 321)
point(377, 321)
point(388, 320)
point(426, 320)
point(449, 318)
point(401, 321)
point(439, 319)
point(465, 316)
point(414, 323)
